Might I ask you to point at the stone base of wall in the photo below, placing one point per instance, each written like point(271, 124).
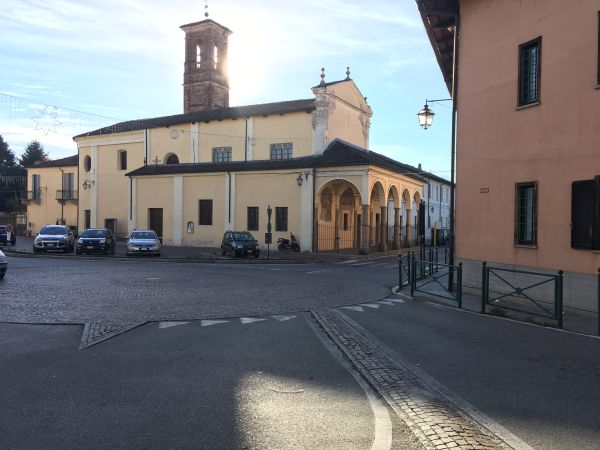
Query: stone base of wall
point(579, 290)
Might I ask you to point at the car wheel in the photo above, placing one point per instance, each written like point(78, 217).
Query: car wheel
point(222, 251)
point(233, 253)
point(158, 254)
point(2, 275)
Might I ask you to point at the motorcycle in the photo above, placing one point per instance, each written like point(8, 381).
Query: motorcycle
point(288, 244)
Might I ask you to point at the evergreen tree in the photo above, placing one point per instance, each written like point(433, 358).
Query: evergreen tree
point(7, 158)
point(34, 152)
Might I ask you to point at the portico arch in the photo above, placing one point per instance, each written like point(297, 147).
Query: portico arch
point(393, 215)
point(338, 216)
point(377, 217)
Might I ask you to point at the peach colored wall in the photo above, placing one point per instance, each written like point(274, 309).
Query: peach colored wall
point(554, 143)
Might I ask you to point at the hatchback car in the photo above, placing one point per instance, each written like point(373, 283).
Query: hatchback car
point(96, 240)
point(143, 242)
point(3, 264)
point(4, 236)
point(239, 243)
point(54, 238)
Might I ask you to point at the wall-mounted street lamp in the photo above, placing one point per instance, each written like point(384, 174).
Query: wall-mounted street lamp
point(87, 184)
point(426, 114)
point(302, 177)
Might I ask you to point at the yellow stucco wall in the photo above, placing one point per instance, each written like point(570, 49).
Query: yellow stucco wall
point(225, 133)
point(166, 141)
point(155, 192)
point(344, 119)
point(293, 127)
point(48, 210)
point(205, 187)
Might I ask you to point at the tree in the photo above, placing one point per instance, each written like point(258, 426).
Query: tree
point(7, 158)
point(34, 152)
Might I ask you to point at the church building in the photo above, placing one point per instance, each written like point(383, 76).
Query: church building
point(192, 176)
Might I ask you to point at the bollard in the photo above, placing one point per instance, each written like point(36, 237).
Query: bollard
point(560, 299)
point(400, 272)
point(459, 285)
point(483, 286)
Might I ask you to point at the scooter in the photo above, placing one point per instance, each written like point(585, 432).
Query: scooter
point(288, 244)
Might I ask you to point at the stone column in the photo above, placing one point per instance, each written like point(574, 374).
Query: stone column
point(383, 234)
point(396, 228)
point(408, 234)
point(364, 241)
point(336, 229)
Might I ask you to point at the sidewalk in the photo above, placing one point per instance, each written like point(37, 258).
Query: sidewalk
point(24, 246)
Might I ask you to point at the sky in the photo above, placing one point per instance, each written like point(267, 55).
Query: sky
point(68, 67)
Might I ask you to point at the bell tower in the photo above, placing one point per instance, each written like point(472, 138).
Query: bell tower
point(205, 80)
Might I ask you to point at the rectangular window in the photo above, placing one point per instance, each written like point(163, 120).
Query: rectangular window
point(281, 218)
point(529, 72)
point(122, 160)
point(252, 218)
point(585, 212)
point(88, 219)
point(281, 151)
point(346, 222)
point(526, 213)
point(35, 187)
point(205, 212)
point(221, 154)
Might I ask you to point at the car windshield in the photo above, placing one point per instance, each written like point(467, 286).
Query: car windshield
point(94, 234)
point(54, 230)
point(143, 235)
point(242, 237)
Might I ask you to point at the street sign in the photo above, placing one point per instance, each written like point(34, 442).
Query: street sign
point(268, 238)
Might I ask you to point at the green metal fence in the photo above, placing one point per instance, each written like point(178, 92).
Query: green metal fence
point(430, 277)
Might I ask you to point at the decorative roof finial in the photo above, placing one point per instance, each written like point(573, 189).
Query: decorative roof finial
point(206, 8)
point(348, 73)
point(322, 76)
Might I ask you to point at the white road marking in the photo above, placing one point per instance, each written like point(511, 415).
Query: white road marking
point(362, 264)
point(317, 271)
point(170, 324)
point(207, 323)
point(274, 269)
point(153, 279)
point(386, 302)
point(283, 318)
point(354, 308)
point(383, 424)
point(347, 262)
point(395, 300)
point(247, 320)
point(370, 305)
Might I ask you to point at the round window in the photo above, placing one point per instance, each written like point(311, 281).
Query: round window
point(87, 163)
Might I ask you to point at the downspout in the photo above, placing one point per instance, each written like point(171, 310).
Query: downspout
point(77, 188)
point(62, 192)
point(146, 147)
point(229, 200)
point(314, 173)
point(246, 142)
point(453, 157)
point(130, 198)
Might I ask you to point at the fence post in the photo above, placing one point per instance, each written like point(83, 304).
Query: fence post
point(445, 255)
point(413, 279)
point(400, 272)
point(459, 285)
point(598, 293)
point(483, 286)
point(430, 262)
point(437, 259)
point(560, 299)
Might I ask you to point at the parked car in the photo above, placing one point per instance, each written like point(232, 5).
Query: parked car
point(96, 240)
point(4, 236)
point(143, 242)
point(239, 243)
point(3, 264)
point(54, 238)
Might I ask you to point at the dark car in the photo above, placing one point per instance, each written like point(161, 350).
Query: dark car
point(96, 240)
point(239, 243)
point(3, 236)
point(54, 238)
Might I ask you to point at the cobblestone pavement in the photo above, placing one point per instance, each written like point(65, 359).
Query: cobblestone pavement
point(437, 423)
point(62, 291)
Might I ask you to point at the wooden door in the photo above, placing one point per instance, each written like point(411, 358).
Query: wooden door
point(155, 219)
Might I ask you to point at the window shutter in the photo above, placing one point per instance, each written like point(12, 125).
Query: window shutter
point(582, 213)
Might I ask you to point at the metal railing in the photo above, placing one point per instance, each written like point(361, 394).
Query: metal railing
point(62, 195)
point(32, 196)
point(511, 293)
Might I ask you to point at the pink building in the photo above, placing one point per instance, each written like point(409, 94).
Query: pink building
point(528, 133)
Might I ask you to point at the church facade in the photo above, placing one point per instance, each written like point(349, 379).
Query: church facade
point(302, 165)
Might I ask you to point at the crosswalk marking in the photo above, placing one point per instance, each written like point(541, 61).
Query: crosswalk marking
point(207, 323)
point(370, 305)
point(247, 320)
point(395, 300)
point(170, 324)
point(354, 308)
point(362, 264)
point(348, 262)
point(386, 302)
point(283, 318)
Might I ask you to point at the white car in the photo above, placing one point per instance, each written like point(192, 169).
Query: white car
point(3, 264)
point(143, 242)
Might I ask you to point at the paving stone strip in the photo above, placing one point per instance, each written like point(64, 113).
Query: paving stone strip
point(435, 421)
point(96, 332)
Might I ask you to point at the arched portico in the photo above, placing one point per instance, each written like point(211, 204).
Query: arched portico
point(393, 216)
point(377, 217)
point(338, 216)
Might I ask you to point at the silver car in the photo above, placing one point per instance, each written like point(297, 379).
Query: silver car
point(3, 264)
point(54, 237)
point(143, 242)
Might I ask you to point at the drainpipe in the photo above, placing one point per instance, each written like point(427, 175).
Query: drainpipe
point(314, 183)
point(246, 142)
point(62, 201)
point(229, 200)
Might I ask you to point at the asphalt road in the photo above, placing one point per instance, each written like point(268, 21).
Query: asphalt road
point(539, 383)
